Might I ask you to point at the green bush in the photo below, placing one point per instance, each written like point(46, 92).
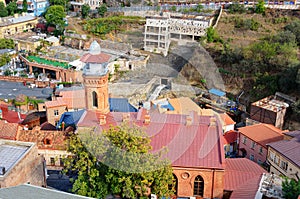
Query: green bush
point(236, 8)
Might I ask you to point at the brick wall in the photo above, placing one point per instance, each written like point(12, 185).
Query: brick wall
point(30, 169)
point(213, 182)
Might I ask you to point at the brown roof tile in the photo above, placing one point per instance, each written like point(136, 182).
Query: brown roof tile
point(8, 130)
point(55, 103)
point(89, 58)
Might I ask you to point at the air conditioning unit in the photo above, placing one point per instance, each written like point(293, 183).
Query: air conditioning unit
point(2, 170)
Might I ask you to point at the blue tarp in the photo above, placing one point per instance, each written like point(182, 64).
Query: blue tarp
point(217, 92)
point(120, 105)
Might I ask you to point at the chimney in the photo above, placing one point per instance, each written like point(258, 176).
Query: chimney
point(102, 119)
point(147, 119)
point(2, 170)
point(212, 121)
point(189, 120)
point(126, 117)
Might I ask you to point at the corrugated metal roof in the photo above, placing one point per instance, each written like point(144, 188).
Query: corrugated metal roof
point(194, 145)
point(262, 133)
point(240, 172)
point(120, 105)
point(31, 191)
point(288, 148)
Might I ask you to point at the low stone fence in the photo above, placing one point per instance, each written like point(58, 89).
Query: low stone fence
point(16, 79)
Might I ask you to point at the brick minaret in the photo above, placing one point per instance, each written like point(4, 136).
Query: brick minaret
point(95, 77)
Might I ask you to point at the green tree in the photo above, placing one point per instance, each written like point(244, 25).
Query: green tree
point(7, 44)
point(173, 9)
point(260, 7)
point(24, 6)
point(102, 10)
point(291, 188)
point(3, 11)
point(127, 168)
point(55, 16)
point(12, 8)
point(294, 27)
point(58, 2)
point(4, 59)
point(211, 35)
point(236, 8)
point(199, 8)
point(85, 9)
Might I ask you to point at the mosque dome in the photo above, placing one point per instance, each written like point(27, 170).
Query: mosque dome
point(95, 48)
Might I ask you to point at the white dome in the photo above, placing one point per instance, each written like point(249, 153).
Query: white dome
point(95, 48)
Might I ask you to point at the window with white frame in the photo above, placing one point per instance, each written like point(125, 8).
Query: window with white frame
point(253, 144)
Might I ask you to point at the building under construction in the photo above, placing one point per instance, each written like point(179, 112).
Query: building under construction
point(269, 110)
point(160, 30)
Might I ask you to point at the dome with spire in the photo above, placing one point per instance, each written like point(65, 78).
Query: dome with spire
point(95, 48)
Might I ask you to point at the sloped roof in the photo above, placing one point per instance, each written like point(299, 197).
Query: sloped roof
point(196, 145)
point(120, 105)
point(227, 119)
point(183, 105)
point(262, 133)
point(289, 149)
point(73, 98)
point(70, 118)
point(292, 133)
point(55, 103)
point(99, 59)
point(8, 130)
point(239, 171)
point(46, 126)
point(230, 137)
point(11, 116)
point(31, 191)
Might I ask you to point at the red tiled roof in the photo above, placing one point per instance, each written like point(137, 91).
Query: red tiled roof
point(262, 133)
point(230, 137)
point(90, 58)
point(196, 145)
point(55, 103)
point(289, 149)
point(8, 130)
point(11, 116)
point(74, 98)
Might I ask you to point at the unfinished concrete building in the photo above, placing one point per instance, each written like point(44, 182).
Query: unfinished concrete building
point(160, 30)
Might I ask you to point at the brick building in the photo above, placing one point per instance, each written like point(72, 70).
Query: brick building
point(193, 142)
point(253, 141)
point(54, 110)
point(20, 163)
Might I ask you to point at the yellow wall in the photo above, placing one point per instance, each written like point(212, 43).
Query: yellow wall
point(13, 29)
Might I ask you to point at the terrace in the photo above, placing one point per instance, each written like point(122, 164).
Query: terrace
point(44, 61)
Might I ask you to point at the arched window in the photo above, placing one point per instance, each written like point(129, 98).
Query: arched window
point(95, 99)
point(198, 186)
